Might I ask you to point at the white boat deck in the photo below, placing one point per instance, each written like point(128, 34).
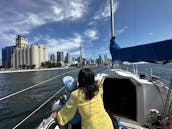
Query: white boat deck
point(132, 125)
point(129, 74)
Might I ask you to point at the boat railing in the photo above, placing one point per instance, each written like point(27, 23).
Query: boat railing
point(168, 103)
point(149, 72)
point(35, 85)
point(37, 109)
point(156, 79)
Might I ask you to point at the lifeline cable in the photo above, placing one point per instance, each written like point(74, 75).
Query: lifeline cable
point(30, 87)
point(167, 104)
point(26, 118)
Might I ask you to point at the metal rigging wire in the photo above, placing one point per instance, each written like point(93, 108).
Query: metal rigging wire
point(33, 86)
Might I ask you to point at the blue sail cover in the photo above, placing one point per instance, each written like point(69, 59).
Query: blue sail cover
point(158, 52)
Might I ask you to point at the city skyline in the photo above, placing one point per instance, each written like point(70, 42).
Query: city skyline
point(59, 56)
point(63, 25)
point(23, 55)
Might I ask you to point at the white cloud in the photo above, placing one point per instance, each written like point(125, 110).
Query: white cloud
point(66, 44)
point(36, 39)
point(20, 17)
point(75, 53)
point(105, 11)
point(76, 9)
point(57, 10)
point(92, 23)
point(10, 38)
point(91, 34)
point(121, 30)
point(71, 10)
point(34, 20)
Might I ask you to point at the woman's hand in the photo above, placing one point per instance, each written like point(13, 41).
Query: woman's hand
point(54, 115)
point(65, 97)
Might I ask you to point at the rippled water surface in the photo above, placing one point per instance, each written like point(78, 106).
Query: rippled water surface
point(16, 108)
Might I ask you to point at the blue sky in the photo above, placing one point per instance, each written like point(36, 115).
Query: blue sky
point(62, 24)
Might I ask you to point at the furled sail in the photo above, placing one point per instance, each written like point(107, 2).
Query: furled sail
point(158, 52)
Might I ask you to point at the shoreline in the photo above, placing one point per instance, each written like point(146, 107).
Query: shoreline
point(29, 70)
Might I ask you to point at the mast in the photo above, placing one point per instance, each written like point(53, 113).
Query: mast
point(112, 26)
point(81, 54)
point(112, 18)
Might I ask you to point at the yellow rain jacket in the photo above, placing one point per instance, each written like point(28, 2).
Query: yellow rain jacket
point(93, 114)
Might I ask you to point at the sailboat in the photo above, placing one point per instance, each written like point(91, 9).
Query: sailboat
point(140, 101)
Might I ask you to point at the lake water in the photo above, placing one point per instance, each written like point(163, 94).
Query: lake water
point(16, 108)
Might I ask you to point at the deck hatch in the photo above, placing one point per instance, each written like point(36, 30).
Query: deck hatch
point(120, 97)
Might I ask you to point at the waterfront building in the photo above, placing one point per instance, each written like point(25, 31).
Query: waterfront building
point(21, 41)
point(93, 61)
point(67, 58)
point(22, 55)
point(99, 61)
point(90, 62)
point(6, 56)
point(105, 59)
point(74, 61)
point(30, 56)
point(52, 58)
point(60, 57)
point(81, 61)
point(84, 62)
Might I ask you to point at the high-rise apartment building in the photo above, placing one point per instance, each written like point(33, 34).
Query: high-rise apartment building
point(105, 59)
point(60, 57)
point(67, 58)
point(52, 58)
point(100, 60)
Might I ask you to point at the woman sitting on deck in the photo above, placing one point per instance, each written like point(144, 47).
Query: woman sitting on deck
point(88, 101)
